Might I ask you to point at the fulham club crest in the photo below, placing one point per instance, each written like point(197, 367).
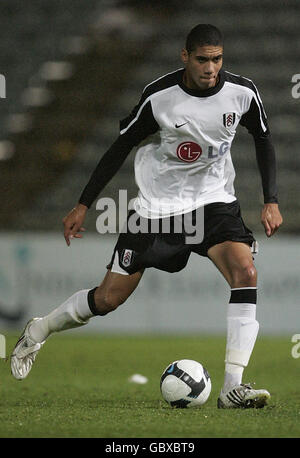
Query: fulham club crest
point(126, 257)
point(228, 119)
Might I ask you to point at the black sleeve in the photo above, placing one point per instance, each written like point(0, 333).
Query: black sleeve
point(134, 129)
point(265, 156)
point(256, 122)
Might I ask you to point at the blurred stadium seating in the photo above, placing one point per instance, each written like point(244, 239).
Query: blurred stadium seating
point(73, 69)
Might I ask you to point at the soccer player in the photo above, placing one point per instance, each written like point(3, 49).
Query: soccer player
point(183, 127)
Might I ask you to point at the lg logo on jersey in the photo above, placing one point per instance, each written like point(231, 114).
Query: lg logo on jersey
point(191, 151)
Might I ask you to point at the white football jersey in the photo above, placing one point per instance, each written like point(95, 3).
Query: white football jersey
point(184, 137)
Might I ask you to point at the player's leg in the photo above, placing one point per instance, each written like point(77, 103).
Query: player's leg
point(235, 262)
point(85, 304)
point(75, 311)
point(113, 291)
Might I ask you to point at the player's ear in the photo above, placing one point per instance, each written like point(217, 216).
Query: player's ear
point(184, 56)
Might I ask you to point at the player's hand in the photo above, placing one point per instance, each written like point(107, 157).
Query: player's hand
point(271, 218)
point(73, 222)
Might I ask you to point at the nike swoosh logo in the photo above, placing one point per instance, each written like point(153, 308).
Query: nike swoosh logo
point(180, 125)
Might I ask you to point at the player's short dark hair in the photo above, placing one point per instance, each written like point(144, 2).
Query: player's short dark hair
point(203, 34)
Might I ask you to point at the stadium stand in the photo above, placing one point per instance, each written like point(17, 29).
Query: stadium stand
point(73, 73)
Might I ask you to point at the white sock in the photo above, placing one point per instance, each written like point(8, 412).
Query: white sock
point(72, 313)
point(242, 329)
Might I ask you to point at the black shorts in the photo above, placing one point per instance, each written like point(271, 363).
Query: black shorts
point(169, 251)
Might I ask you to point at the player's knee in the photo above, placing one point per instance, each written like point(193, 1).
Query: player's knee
point(245, 276)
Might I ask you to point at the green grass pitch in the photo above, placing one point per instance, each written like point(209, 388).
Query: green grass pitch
point(79, 388)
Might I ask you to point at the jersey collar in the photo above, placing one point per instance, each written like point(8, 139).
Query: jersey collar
point(206, 92)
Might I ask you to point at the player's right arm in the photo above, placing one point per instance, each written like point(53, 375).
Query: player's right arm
point(73, 223)
point(134, 129)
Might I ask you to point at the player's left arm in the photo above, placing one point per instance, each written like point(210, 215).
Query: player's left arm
point(255, 121)
point(271, 218)
point(265, 155)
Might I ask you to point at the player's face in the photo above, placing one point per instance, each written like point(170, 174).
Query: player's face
point(202, 66)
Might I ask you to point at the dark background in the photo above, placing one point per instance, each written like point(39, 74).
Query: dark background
point(74, 68)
